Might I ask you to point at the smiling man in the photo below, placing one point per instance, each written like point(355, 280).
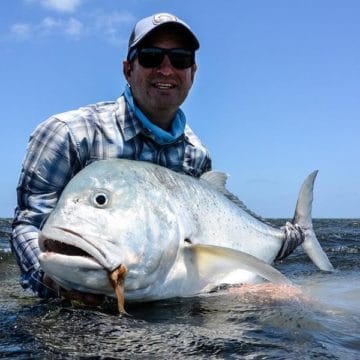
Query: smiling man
point(145, 123)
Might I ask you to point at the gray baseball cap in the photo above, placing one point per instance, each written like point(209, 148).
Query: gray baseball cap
point(146, 26)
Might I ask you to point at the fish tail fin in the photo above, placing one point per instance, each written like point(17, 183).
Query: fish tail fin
point(303, 219)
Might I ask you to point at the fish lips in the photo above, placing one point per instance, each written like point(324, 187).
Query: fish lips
point(71, 266)
point(59, 242)
point(76, 273)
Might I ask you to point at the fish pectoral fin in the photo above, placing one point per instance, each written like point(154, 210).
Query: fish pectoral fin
point(211, 260)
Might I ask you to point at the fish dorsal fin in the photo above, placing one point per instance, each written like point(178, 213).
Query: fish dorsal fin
point(217, 180)
point(212, 262)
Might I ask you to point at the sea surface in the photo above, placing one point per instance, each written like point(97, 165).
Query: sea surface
point(320, 320)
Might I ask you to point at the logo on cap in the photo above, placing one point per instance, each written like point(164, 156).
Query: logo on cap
point(161, 18)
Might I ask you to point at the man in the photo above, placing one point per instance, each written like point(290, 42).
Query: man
point(145, 123)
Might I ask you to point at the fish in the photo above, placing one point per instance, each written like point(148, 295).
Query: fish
point(137, 231)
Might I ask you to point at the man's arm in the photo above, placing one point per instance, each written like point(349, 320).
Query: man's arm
point(50, 162)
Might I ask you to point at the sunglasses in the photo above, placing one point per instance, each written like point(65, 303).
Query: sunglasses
point(152, 57)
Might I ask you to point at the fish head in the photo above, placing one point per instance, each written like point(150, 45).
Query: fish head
point(109, 215)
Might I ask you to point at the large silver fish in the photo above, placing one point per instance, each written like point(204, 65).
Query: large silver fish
point(169, 234)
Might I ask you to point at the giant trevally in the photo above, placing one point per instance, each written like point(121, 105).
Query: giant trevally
point(151, 233)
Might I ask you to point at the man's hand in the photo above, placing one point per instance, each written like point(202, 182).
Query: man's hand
point(85, 298)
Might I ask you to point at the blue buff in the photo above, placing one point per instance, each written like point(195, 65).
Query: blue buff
point(159, 135)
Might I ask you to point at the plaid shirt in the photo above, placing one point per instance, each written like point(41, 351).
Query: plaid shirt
point(63, 145)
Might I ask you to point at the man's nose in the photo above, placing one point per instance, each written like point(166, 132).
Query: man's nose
point(165, 67)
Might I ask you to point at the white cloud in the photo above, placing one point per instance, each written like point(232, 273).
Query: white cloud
point(49, 25)
point(113, 28)
point(74, 28)
point(113, 20)
point(58, 5)
point(71, 27)
point(21, 31)
point(62, 5)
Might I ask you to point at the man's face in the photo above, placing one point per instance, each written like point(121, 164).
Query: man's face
point(161, 89)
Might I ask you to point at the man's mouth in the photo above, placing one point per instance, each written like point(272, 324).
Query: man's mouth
point(163, 86)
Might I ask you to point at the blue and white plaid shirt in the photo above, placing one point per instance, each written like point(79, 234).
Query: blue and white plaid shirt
point(63, 145)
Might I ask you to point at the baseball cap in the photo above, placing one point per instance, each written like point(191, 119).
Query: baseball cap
point(146, 26)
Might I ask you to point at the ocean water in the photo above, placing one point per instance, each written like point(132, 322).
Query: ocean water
point(320, 320)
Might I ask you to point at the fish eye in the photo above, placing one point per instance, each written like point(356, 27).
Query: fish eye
point(100, 199)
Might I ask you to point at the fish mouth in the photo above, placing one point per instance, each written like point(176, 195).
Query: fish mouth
point(79, 258)
point(52, 248)
point(70, 243)
point(55, 246)
point(59, 252)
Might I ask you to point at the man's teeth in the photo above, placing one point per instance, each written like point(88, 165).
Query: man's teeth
point(164, 86)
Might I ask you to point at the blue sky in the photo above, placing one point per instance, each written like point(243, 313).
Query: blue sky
point(277, 93)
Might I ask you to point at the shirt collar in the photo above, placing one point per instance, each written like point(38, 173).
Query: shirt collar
point(130, 126)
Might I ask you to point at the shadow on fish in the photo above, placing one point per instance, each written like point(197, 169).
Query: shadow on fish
point(137, 231)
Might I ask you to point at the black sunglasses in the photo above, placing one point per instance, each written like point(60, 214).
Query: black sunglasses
point(151, 57)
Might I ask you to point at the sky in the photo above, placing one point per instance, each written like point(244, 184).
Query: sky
point(276, 94)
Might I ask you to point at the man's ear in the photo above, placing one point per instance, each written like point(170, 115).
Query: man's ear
point(127, 69)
